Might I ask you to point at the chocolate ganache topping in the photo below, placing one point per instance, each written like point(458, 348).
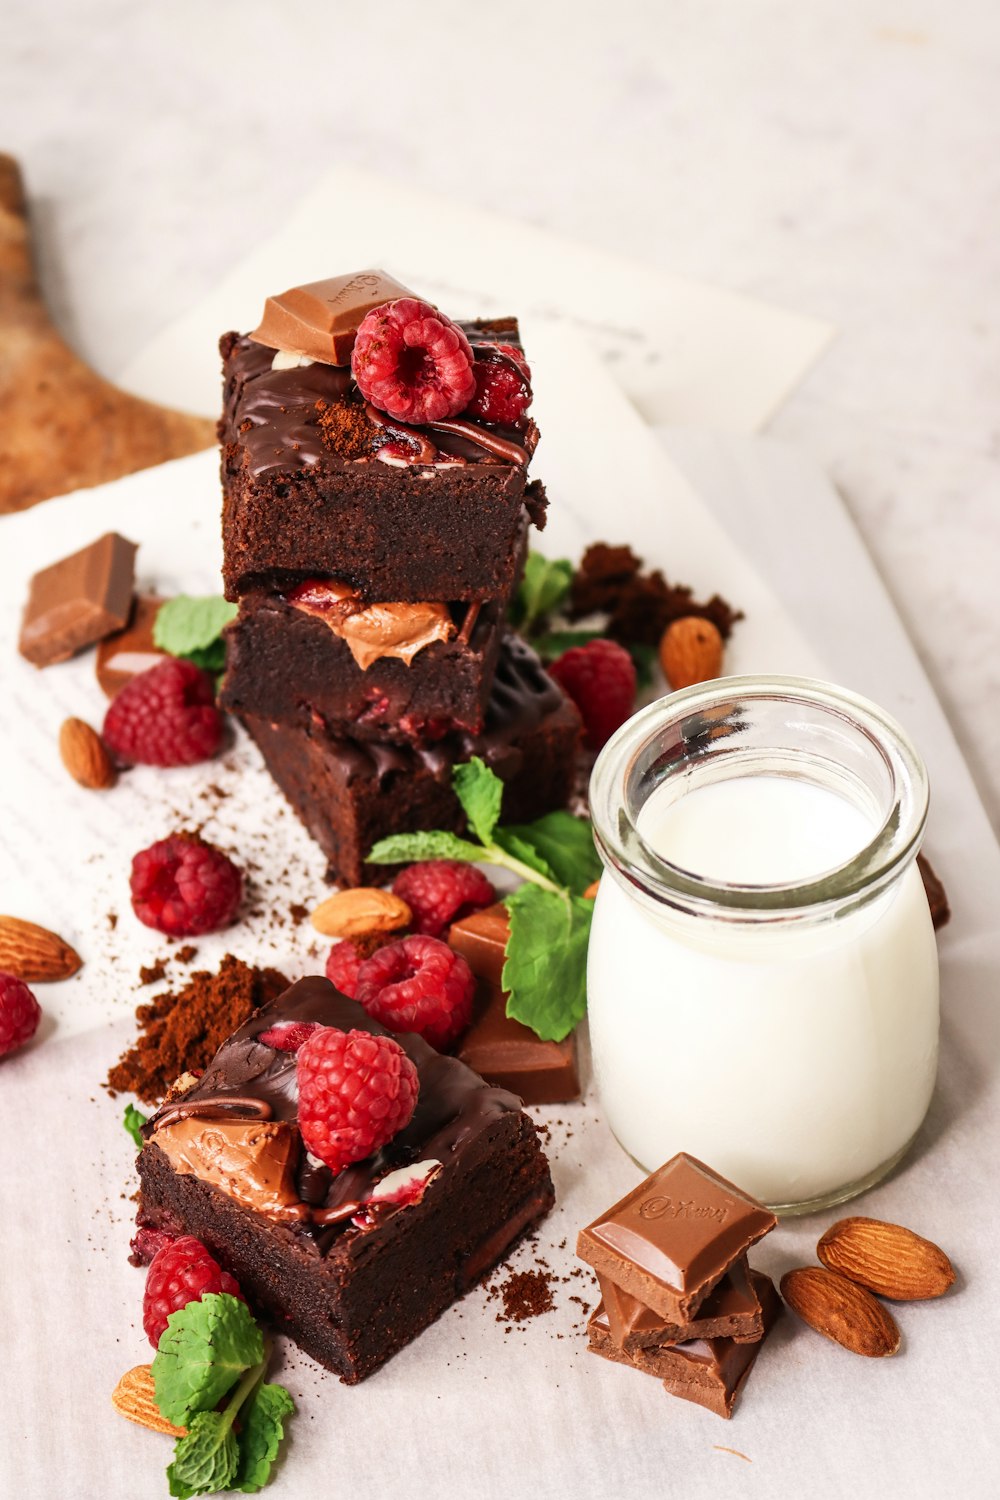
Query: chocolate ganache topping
point(277, 413)
point(248, 1080)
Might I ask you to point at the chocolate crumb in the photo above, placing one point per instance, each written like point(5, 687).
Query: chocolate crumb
point(186, 954)
point(346, 429)
point(298, 912)
point(526, 1294)
point(153, 973)
point(112, 920)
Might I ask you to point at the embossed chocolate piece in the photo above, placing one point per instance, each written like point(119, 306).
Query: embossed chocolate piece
point(671, 1239)
point(78, 600)
point(126, 653)
point(731, 1311)
point(320, 320)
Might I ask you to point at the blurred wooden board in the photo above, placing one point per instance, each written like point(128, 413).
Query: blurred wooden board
point(63, 426)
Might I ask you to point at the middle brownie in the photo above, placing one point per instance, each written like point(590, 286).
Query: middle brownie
point(290, 667)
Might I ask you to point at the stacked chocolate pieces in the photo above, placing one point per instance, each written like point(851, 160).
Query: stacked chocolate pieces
point(679, 1300)
point(373, 561)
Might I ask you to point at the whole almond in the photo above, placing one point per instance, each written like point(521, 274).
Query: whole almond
point(34, 954)
point(366, 911)
point(841, 1310)
point(84, 756)
point(590, 894)
point(135, 1397)
point(690, 652)
point(887, 1259)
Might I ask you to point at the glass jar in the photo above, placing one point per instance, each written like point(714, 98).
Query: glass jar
point(762, 972)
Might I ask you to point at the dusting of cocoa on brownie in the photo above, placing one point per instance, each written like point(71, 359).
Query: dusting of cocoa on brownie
point(183, 1031)
point(346, 429)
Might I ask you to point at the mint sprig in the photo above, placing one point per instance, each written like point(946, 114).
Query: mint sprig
point(133, 1120)
point(543, 588)
point(212, 1348)
point(545, 965)
point(191, 626)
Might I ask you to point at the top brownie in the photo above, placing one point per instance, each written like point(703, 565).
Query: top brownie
point(318, 483)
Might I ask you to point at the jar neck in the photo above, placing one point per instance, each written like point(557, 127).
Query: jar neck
point(751, 726)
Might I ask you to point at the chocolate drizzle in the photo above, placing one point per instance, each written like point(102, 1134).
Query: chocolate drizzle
point(276, 414)
point(246, 1077)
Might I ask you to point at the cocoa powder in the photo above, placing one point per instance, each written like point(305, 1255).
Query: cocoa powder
point(346, 429)
point(183, 1031)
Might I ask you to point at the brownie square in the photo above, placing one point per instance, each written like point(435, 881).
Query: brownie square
point(351, 793)
point(289, 667)
point(351, 1265)
point(307, 494)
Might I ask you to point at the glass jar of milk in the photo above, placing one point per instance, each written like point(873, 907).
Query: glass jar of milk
point(762, 974)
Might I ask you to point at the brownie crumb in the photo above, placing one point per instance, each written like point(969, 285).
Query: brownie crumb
point(526, 1294)
point(186, 954)
point(640, 606)
point(112, 920)
point(298, 912)
point(347, 429)
point(182, 1032)
point(153, 973)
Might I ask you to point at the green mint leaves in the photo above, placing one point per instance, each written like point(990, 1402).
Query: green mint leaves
point(210, 1348)
point(545, 970)
point(192, 627)
point(133, 1120)
point(543, 588)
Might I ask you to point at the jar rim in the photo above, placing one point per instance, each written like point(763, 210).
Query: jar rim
point(844, 887)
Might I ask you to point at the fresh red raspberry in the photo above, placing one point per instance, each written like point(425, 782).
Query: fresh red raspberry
point(181, 1272)
point(20, 1013)
point(166, 716)
point(183, 886)
point(356, 1091)
point(441, 891)
point(418, 984)
point(342, 967)
point(146, 1243)
point(503, 386)
point(288, 1036)
point(600, 679)
point(412, 362)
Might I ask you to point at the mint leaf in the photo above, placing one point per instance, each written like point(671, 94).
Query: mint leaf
point(261, 1435)
point(543, 588)
point(206, 1460)
point(133, 1120)
point(564, 844)
point(210, 658)
point(480, 792)
point(644, 659)
point(545, 970)
point(518, 848)
point(554, 642)
point(204, 1349)
point(187, 625)
point(401, 848)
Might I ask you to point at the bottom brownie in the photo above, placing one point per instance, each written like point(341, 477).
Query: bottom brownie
point(350, 794)
point(350, 1278)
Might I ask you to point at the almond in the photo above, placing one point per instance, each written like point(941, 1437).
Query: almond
point(34, 954)
point(841, 1310)
point(590, 894)
point(135, 1397)
point(887, 1259)
point(364, 912)
point(690, 652)
point(84, 756)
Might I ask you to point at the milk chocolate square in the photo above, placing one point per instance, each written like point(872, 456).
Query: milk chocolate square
point(320, 320)
point(709, 1372)
point(671, 1239)
point(731, 1310)
point(78, 600)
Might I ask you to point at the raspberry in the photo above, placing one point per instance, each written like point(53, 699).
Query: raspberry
point(503, 385)
point(166, 716)
point(600, 679)
point(146, 1243)
point(288, 1036)
point(418, 984)
point(356, 1091)
point(181, 1272)
point(20, 1013)
point(441, 891)
point(412, 362)
point(183, 886)
point(342, 967)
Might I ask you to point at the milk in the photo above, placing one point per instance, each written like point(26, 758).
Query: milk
point(797, 1059)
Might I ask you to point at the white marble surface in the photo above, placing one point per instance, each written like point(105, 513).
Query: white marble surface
point(839, 158)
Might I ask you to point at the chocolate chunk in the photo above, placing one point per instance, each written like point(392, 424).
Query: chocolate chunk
point(937, 898)
point(78, 600)
point(132, 650)
point(671, 1239)
point(710, 1372)
point(497, 1047)
point(320, 320)
point(731, 1311)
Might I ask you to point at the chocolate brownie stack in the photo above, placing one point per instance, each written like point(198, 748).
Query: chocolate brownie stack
point(679, 1300)
point(376, 507)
